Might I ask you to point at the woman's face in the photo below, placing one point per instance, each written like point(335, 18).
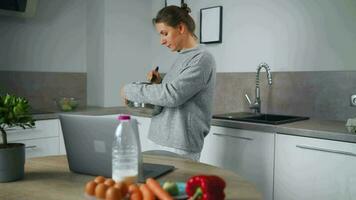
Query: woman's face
point(170, 37)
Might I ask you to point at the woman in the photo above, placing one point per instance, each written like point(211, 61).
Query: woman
point(187, 90)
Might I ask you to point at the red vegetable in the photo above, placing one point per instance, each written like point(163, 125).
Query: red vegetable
point(204, 187)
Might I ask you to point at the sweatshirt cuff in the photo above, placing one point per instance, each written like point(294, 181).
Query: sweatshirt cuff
point(131, 91)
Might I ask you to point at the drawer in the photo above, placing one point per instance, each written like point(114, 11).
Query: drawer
point(237, 134)
point(309, 168)
point(41, 147)
point(43, 129)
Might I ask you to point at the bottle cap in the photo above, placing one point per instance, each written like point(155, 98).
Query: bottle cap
point(124, 117)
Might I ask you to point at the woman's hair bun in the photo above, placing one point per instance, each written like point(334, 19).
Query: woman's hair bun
point(186, 8)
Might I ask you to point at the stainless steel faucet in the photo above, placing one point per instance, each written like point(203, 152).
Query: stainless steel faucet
point(256, 106)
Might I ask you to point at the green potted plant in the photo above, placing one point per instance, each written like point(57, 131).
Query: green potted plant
point(14, 112)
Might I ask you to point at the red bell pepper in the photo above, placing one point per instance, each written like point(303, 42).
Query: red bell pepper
point(205, 187)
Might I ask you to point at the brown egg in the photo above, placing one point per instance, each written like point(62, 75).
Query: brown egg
point(113, 194)
point(109, 182)
point(136, 196)
point(100, 190)
point(90, 188)
point(133, 188)
point(122, 186)
point(99, 179)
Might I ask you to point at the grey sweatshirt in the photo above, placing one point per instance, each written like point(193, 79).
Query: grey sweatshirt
point(186, 95)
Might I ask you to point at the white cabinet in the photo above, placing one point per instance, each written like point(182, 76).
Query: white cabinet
point(309, 169)
point(248, 153)
point(41, 147)
point(42, 140)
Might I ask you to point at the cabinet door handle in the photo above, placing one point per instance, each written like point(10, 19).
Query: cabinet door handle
point(233, 136)
point(326, 150)
point(32, 147)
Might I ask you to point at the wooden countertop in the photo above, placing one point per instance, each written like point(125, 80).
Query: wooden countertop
point(49, 178)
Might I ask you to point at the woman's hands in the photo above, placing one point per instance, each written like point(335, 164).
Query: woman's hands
point(154, 77)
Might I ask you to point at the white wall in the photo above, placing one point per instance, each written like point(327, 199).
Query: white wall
point(115, 42)
point(119, 47)
point(54, 40)
point(95, 52)
point(127, 45)
point(161, 56)
point(110, 40)
point(290, 35)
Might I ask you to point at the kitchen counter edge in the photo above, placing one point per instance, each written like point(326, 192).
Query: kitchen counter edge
point(314, 128)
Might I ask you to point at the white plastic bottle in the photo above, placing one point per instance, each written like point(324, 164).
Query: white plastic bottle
point(126, 150)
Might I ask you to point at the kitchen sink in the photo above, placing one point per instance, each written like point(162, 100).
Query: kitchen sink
point(260, 118)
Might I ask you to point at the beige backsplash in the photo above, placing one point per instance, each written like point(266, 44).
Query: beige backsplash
point(317, 94)
point(42, 88)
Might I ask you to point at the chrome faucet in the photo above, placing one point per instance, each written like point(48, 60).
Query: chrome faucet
point(256, 106)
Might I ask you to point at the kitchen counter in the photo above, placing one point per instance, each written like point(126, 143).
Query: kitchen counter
point(90, 110)
point(49, 178)
point(315, 128)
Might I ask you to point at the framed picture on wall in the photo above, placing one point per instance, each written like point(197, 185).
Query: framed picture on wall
point(174, 2)
point(211, 25)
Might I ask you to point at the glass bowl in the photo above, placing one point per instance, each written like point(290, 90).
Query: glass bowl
point(67, 103)
point(144, 108)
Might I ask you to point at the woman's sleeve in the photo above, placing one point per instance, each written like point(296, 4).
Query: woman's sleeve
point(190, 81)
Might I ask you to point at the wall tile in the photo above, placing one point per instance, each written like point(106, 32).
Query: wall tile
point(317, 94)
point(42, 88)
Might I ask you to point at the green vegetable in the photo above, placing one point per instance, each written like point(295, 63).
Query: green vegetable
point(66, 107)
point(171, 187)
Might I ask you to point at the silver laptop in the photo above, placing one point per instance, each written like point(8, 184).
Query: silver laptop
point(88, 142)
